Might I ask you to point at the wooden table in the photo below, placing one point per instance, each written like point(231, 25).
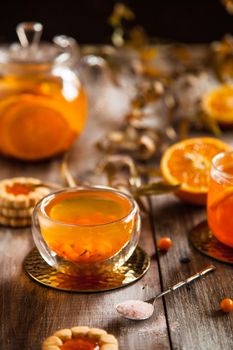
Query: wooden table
point(188, 319)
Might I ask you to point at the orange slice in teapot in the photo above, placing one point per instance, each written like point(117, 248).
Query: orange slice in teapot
point(33, 128)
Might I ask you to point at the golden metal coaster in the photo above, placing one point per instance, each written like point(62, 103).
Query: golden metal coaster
point(131, 271)
point(202, 238)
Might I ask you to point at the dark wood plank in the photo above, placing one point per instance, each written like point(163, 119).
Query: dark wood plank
point(30, 312)
point(195, 322)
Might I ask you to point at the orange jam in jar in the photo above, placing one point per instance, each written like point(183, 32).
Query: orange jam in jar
point(220, 198)
point(88, 225)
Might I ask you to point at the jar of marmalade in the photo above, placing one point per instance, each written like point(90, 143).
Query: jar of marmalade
point(43, 105)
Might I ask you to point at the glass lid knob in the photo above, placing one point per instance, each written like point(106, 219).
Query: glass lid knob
point(29, 33)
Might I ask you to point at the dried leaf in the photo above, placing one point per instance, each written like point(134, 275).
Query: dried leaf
point(184, 128)
point(110, 173)
point(65, 172)
point(137, 37)
point(148, 54)
point(120, 12)
point(117, 164)
point(149, 171)
point(118, 37)
point(142, 205)
point(228, 4)
point(210, 123)
point(181, 53)
point(155, 188)
point(171, 133)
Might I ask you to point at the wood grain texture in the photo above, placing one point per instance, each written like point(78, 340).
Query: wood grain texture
point(30, 312)
point(195, 321)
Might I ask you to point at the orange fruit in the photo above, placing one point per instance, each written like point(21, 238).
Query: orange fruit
point(218, 104)
point(187, 163)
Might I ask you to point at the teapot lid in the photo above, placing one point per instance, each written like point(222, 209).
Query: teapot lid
point(31, 50)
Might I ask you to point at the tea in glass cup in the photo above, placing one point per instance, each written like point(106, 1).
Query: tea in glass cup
point(220, 198)
point(85, 228)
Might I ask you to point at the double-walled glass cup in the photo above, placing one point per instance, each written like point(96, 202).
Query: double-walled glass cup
point(93, 242)
point(220, 198)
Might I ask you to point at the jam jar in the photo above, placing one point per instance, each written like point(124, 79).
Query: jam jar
point(43, 105)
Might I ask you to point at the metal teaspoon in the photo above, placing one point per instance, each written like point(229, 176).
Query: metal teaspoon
point(141, 310)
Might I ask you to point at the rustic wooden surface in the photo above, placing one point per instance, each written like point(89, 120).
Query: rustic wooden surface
point(188, 319)
point(194, 319)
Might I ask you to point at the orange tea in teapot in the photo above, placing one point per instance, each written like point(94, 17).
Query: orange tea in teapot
point(43, 106)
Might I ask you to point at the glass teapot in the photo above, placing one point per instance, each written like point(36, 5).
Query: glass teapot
point(43, 105)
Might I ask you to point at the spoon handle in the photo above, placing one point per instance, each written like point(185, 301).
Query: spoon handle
point(187, 280)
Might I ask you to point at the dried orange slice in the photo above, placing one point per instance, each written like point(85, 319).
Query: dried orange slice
point(218, 104)
point(31, 129)
point(188, 163)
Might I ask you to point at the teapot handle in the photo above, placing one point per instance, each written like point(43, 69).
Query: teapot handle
point(71, 49)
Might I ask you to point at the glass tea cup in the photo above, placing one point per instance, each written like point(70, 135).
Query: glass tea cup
point(220, 198)
point(86, 229)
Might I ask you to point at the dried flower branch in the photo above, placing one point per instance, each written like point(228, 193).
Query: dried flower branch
point(132, 181)
point(114, 165)
point(209, 123)
point(155, 188)
point(120, 14)
point(228, 4)
point(137, 142)
point(222, 58)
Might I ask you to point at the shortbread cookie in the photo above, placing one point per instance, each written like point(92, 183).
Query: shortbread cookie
point(93, 338)
point(15, 222)
point(16, 213)
point(21, 192)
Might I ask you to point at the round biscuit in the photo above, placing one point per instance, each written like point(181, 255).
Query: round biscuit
point(16, 212)
point(23, 201)
point(15, 222)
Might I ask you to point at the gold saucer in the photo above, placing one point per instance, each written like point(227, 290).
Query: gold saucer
point(202, 238)
point(131, 271)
